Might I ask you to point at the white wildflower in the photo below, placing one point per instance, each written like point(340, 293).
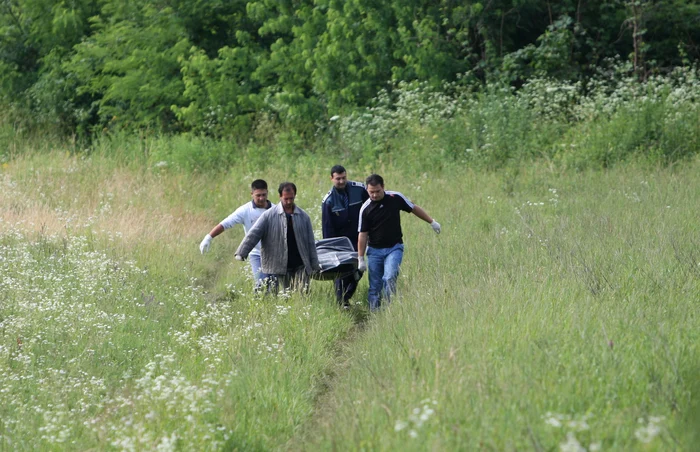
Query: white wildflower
point(571, 444)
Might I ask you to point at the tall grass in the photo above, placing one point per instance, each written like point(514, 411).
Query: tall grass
point(117, 333)
point(608, 119)
point(556, 309)
point(101, 353)
point(563, 314)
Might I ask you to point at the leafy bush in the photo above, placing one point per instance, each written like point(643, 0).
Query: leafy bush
point(621, 117)
point(598, 123)
point(211, 66)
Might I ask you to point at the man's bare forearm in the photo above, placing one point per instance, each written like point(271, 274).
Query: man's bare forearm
point(422, 214)
point(361, 244)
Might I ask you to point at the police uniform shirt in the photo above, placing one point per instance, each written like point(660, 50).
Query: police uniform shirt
point(340, 211)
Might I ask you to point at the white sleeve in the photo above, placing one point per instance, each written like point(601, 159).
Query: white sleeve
point(237, 217)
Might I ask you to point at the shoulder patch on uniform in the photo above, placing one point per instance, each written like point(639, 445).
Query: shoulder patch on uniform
point(325, 198)
point(356, 184)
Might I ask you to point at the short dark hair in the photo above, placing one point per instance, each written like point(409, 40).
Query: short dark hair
point(286, 186)
point(258, 184)
point(374, 179)
point(338, 169)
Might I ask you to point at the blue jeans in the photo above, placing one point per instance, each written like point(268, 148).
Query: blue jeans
point(256, 267)
point(383, 265)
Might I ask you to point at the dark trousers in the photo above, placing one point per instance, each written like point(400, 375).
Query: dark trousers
point(293, 280)
point(345, 287)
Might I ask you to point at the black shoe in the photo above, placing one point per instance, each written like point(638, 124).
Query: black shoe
point(345, 306)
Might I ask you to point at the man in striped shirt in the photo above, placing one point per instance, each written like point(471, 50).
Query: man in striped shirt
point(381, 239)
point(287, 243)
point(247, 215)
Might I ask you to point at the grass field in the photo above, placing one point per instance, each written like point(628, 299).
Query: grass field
point(557, 310)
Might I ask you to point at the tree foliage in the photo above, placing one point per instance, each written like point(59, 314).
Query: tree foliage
point(213, 66)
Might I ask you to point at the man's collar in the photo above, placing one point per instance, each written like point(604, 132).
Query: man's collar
point(280, 209)
point(255, 206)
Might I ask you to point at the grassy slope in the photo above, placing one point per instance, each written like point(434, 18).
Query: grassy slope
point(573, 301)
point(549, 299)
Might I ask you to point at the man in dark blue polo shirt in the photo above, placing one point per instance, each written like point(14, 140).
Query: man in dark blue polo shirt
point(340, 213)
point(381, 239)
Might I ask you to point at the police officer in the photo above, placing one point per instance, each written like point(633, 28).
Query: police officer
point(340, 215)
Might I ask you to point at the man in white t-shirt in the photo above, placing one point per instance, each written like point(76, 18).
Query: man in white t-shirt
point(247, 215)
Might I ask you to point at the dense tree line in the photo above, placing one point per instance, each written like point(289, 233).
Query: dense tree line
point(211, 66)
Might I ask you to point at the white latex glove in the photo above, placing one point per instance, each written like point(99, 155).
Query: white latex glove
point(239, 258)
point(436, 226)
point(204, 246)
point(361, 263)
